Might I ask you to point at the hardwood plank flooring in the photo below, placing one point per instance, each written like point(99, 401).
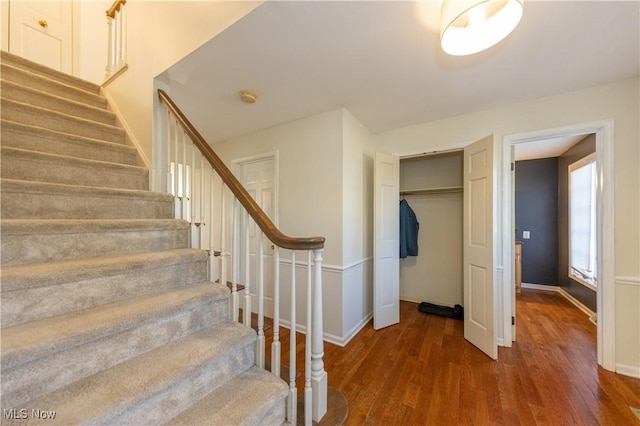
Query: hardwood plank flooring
point(423, 372)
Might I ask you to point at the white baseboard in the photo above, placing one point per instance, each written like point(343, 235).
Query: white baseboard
point(628, 370)
point(540, 287)
point(327, 337)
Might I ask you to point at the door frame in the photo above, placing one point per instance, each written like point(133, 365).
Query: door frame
point(503, 282)
point(236, 168)
point(605, 296)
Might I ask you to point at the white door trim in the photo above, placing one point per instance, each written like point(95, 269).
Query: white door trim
point(604, 131)
point(237, 164)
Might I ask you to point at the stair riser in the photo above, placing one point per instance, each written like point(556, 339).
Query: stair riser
point(21, 205)
point(52, 120)
point(173, 400)
point(47, 141)
point(53, 87)
point(25, 382)
point(30, 304)
point(42, 100)
point(23, 64)
point(21, 249)
point(23, 166)
point(277, 415)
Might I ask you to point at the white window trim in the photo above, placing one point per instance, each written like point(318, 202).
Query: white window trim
point(591, 158)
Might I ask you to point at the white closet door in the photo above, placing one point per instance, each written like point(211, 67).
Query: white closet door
point(41, 32)
point(479, 257)
point(386, 265)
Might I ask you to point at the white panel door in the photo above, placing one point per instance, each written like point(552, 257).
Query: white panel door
point(41, 32)
point(386, 250)
point(479, 257)
point(258, 177)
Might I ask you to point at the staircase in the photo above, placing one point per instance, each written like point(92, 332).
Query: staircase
point(107, 316)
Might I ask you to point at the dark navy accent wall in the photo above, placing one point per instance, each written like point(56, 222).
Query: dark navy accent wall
point(536, 211)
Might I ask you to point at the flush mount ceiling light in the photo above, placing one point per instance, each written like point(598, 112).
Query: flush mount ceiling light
point(470, 26)
point(247, 96)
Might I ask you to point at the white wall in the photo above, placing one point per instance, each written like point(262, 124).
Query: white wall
point(90, 39)
point(326, 188)
point(155, 41)
point(357, 225)
point(618, 101)
point(310, 198)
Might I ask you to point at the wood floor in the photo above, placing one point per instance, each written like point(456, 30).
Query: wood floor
point(423, 372)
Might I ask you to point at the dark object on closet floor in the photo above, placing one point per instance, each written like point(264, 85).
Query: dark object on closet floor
point(457, 312)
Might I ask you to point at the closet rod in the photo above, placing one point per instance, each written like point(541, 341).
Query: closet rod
point(441, 190)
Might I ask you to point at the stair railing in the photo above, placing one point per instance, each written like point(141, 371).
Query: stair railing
point(209, 196)
point(117, 40)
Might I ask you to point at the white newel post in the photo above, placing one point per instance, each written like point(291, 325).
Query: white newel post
point(318, 375)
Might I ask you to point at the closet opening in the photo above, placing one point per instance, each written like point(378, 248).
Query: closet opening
point(432, 186)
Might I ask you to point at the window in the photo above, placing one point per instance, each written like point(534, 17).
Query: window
point(582, 221)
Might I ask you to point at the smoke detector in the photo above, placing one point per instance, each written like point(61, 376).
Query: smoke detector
point(248, 97)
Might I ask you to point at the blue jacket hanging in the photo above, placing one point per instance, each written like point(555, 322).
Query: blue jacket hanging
point(408, 231)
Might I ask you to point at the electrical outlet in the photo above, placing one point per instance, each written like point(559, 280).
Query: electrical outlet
point(526, 235)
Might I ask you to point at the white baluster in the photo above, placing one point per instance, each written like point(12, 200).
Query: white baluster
point(123, 37)
point(292, 398)
point(307, 350)
point(212, 248)
point(318, 375)
point(235, 256)
point(183, 213)
point(247, 270)
point(260, 342)
point(192, 192)
point(223, 242)
point(275, 344)
point(118, 41)
point(202, 203)
point(178, 173)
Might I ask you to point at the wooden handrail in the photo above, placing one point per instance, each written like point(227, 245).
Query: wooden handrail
point(115, 8)
point(247, 201)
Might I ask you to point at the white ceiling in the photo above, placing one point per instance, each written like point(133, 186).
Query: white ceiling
point(381, 61)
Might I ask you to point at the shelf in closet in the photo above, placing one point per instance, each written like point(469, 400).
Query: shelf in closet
point(439, 190)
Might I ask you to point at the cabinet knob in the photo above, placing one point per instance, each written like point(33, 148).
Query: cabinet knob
point(43, 23)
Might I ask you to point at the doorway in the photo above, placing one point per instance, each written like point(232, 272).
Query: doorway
point(604, 236)
point(259, 175)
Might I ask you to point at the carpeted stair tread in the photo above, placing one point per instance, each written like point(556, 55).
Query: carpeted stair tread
point(32, 292)
point(46, 274)
point(36, 339)
point(155, 385)
point(75, 226)
point(19, 62)
point(30, 241)
point(22, 164)
point(38, 81)
point(39, 98)
point(33, 200)
point(35, 138)
point(246, 399)
point(59, 121)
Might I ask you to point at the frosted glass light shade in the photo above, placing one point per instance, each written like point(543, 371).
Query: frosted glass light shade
point(470, 26)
